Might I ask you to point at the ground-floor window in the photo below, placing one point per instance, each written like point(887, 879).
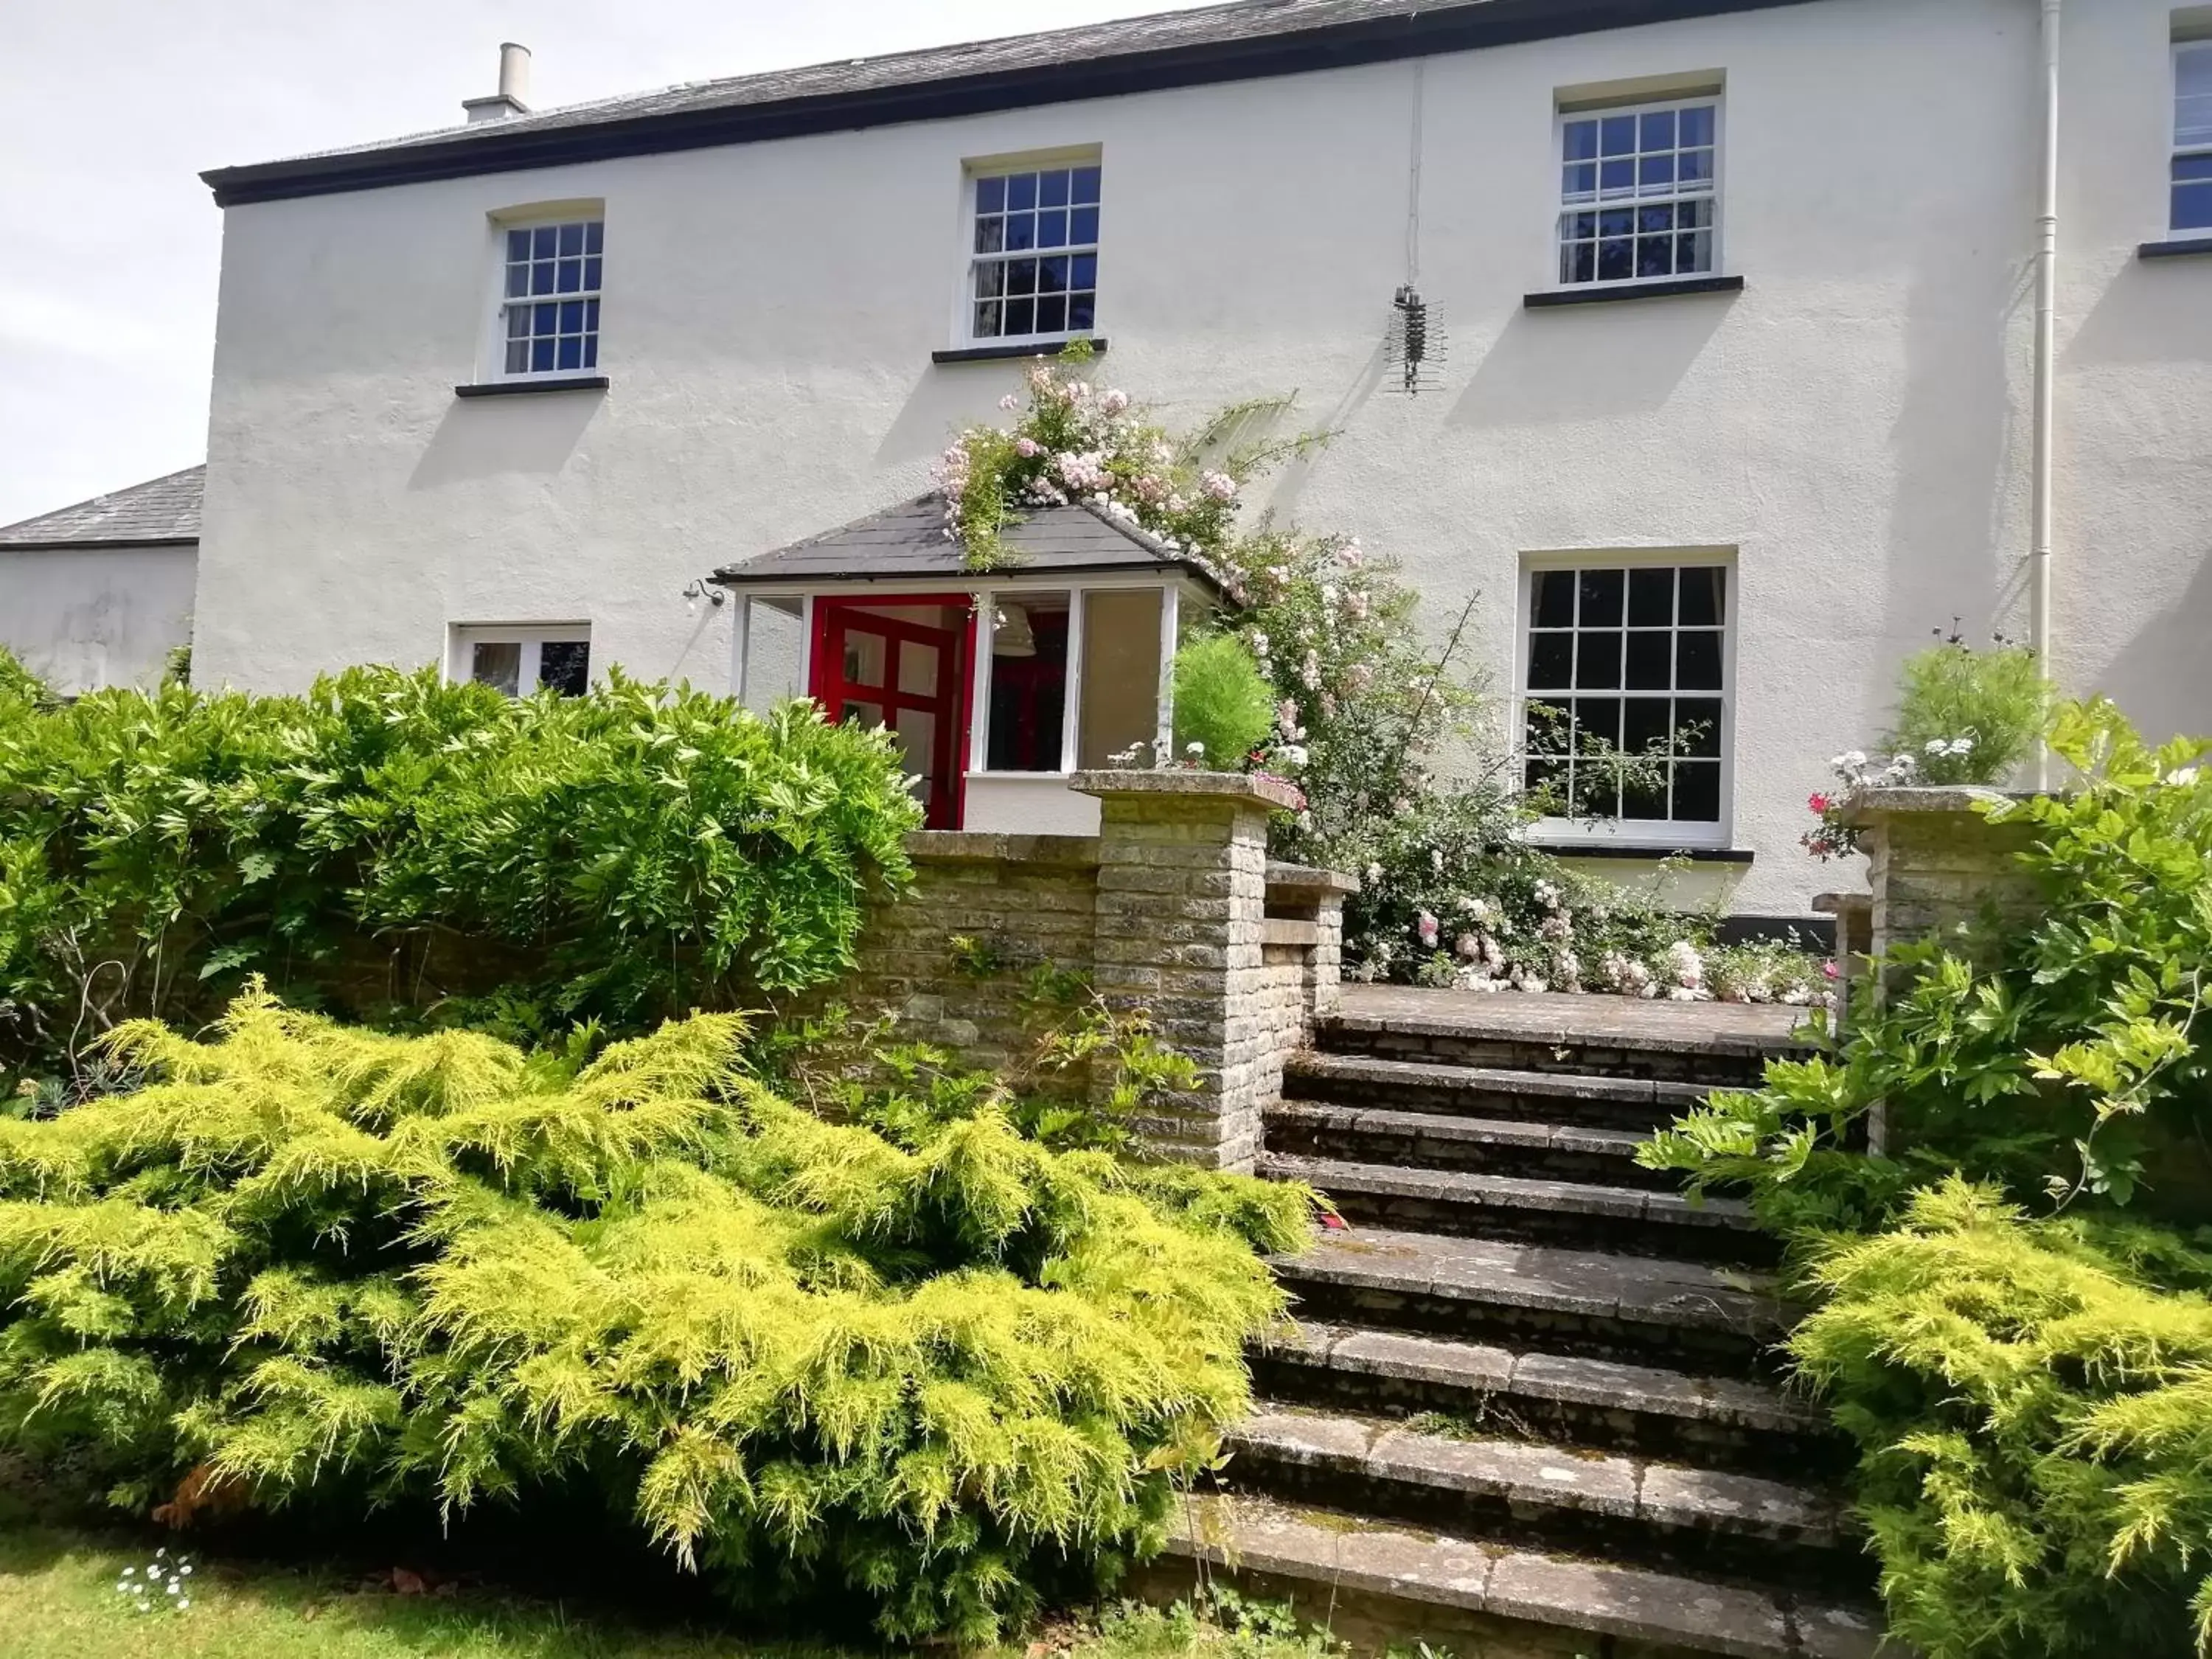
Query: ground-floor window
point(520, 659)
point(1626, 657)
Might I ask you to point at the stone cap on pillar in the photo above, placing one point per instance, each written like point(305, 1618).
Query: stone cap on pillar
point(1174, 782)
point(1308, 878)
point(1868, 806)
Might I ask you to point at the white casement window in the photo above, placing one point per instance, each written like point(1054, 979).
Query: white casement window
point(519, 659)
point(1033, 252)
point(1639, 193)
point(1630, 659)
point(548, 315)
point(2192, 137)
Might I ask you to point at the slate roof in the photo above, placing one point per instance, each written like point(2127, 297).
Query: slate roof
point(161, 511)
point(1208, 45)
point(906, 543)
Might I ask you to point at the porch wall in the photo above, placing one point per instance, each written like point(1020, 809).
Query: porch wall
point(1172, 908)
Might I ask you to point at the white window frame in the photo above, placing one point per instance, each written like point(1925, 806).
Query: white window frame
point(973, 174)
point(988, 597)
point(464, 637)
point(2199, 43)
point(539, 217)
point(1561, 208)
point(1654, 834)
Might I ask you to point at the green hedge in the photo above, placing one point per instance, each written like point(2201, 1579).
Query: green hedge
point(386, 838)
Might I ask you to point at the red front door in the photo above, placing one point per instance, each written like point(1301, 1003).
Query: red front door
point(903, 663)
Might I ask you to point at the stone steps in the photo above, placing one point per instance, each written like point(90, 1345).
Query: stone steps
point(1642, 1410)
point(1631, 1220)
point(1440, 1140)
point(1638, 1105)
point(1669, 1517)
point(1479, 1596)
point(1630, 1041)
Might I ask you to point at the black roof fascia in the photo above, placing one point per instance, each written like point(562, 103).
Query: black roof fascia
point(739, 575)
point(1342, 46)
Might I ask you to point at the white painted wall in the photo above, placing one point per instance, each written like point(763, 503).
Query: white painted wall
point(86, 618)
point(1852, 425)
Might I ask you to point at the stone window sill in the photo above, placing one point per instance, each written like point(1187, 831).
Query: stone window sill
point(1000, 353)
point(2178, 250)
point(1567, 849)
point(1599, 294)
point(525, 388)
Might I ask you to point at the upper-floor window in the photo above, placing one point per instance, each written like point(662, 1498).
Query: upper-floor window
point(1638, 196)
point(1033, 272)
point(1629, 660)
point(550, 303)
point(2192, 135)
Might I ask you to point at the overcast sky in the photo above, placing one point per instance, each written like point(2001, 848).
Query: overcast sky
point(109, 110)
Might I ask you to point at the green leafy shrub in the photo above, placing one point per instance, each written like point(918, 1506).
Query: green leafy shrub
point(2066, 1058)
point(1970, 716)
point(2033, 1405)
point(1222, 702)
point(621, 856)
point(926, 1371)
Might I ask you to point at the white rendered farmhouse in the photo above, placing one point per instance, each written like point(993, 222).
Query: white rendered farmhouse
point(1729, 395)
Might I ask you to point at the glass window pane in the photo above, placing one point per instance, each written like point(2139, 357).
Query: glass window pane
point(572, 317)
point(1052, 276)
point(1703, 586)
point(595, 237)
point(1578, 263)
point(591, 274)
point(541, 357)
point(1021, 192)
point(1617, 135)
point(518, 357)
point(1697, 661)
point(571, 354)
point(1655, 175)
point(1554, 599)
point(1052, 229)
point(990, 280)
point(1597, 660)
point(1086, 187)
point(1028, 683)
point(496, 663)
point(517, 322)
point(1021, 275)
point(1550, 725)
point(1052, 314)
point(1655, 256)
point(1693, 166)
point(565, 667)
point(1052, 189)
point(592, 314)
point(2192, 207)
point(1647, 726)
point(1551, 661)
point(1616, 178)
point(1616, 261)
point(1602, 591)
point(1082, 313)
point(1644, 794)
point(517, 244)
point(1083, 270)
point(1697, 792)
point(571, 239)
point(1119, 705)
point(1021, 316)
point(1578, 141)
point(1578, 182)
point(591, 351)
point(542, 240)
point(2192, 94)
point(1650, 662)
point(1021, 230)
point(1697, 726)
point(1695, 128)
point(571, 277)
point(989, 323)
point(1659, 129)
point(990, 195)
point(1651, 599)
point(1082, 226)
point(990, 235)
point(518, 281)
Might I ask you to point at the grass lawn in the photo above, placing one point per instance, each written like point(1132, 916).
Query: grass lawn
point(58, 1601)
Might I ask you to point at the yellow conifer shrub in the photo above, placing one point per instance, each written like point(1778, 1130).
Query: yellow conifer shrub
point(313, 1264)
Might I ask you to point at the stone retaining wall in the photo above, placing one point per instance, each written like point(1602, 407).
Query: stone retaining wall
point(1172, 907)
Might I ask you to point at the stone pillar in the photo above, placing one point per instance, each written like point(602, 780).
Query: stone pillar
point(1936, 865)
point(1181, 929)
point(1300, 893)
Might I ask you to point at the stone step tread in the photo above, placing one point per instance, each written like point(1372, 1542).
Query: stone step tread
point(1332, 1175)
point(1531, 1475)
point(1589, 1284)
point(1605, 1384)
point(1444, 1077)
point(1262, 1534)
point(1620, 1023)
point(1465, 1131)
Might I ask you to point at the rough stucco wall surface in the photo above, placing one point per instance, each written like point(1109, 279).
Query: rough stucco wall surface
point(85, 618)
point(1851, 429)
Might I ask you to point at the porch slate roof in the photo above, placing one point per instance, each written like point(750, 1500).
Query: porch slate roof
point(161, 512)
point(906, 543)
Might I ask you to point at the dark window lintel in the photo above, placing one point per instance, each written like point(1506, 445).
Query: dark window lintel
point(1567, 849)
point(2175, 249)
point(518, 388)
point(1605, 293)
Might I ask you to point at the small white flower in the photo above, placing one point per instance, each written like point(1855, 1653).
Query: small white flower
point(1962, 745)
point(1194, 750)
point(129, 1572)
point(1938, 746)
point(186, 1569)
point(183, 1602)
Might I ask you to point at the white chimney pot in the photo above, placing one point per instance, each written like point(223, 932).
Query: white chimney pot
point(512, 97)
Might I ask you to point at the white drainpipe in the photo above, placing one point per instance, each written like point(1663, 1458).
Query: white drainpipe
point(2046, 308)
